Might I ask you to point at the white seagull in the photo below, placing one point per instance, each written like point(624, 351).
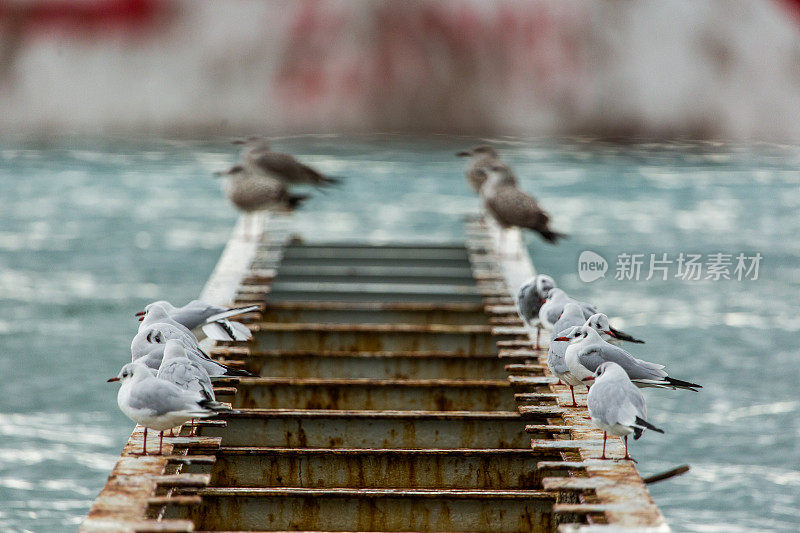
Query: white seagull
point(157, 404)
point(212, 319)
point(616, 406)
point(558, 366)
point(587, 351)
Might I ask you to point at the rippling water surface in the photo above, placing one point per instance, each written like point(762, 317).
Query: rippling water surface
point(90, 231)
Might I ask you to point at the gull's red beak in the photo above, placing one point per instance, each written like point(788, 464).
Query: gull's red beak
point(141, 319)
point(115, 378)
point(609, 332)
point(140, 313)
point(561, 339)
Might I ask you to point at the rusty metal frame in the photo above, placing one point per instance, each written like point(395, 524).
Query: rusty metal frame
point(581, 493)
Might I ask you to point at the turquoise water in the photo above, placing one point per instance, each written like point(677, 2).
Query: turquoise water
point(89, 232)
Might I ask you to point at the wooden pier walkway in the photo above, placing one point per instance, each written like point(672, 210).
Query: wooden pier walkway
point(398, 391)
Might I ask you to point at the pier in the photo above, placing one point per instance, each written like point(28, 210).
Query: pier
point(398, 391)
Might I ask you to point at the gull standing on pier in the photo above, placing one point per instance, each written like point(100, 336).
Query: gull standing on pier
point(587, 351)
point(212, 318)
point(616, 406)
point(511, 207)
point(558, 365)
point(157, 404)
point(483, 158)
point(259, 159)
point(530, 298)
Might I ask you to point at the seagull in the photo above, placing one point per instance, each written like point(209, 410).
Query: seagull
point(558, 366)
point(616, 406)
point(212, 318)
point(148, 347)
point(571, 319)
point(483, 157)
point(158, 404)
point(509, 206)
point(259, 159)
point(530, 298)
point(553, 307)
point(251, 192)
point(587, 351)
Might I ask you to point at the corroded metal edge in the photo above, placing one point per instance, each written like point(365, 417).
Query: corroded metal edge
point(139, 483)
point(596, 496)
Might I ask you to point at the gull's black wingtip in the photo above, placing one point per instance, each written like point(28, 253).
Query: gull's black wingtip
point(229, 371)
point(644, 424)
point(679, 383)
point(621, 335)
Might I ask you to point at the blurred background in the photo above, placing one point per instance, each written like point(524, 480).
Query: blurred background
point(643, 127)
point(711, 69)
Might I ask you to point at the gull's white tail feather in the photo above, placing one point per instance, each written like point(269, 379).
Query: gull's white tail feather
point(225, 330)
point(231, 312)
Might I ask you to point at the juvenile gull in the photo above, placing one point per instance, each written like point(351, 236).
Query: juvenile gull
point(261, 160)
point(148, 346)
point(158, 404)
point(511, 207)
point(483, 158)
point(530, 298)
point(587, 351)
point(251, 192)
point(616, 406)
point(212, 318)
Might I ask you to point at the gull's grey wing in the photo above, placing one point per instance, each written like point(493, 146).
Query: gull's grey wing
point(188, 375)
point(161, 397)
point(195, 313)
point(635, 368)
point(555, 357)
point(287, 168)
point(617, 402)
point(591, 359)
